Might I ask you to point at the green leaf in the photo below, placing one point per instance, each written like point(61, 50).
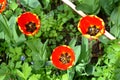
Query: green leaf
point(6, 28)
point(34, 44)
point(18, 50)
point(71, 73)
point(18, 64)
point(85, 52)
point(33, 3)
point(80, 68)
point(20, 74)
point(3, 69)
point(8, 13)
point(12, 24)
point(13, 5)
point(89, 69)
point(26, 70)
point(39, 52)
point(2, 36)
point(30, 3)
point(107, 5)
point(72, 42)
point(65, 77)
point(115, 20)
point(37, 47)
point(103, 39)
point(77, 50)
point(2, 77)
point(89, 6)
point(20, 39)
point(18, 11)
point(46, 3)
point(35, 77)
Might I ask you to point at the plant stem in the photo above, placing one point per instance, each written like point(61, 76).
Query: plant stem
point(81, 13)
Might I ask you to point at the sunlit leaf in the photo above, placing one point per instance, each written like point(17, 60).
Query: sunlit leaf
point(26, 69)
point(65, 77)
point(2, 77)
point(35, 77)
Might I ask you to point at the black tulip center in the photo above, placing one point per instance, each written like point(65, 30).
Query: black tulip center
point(65, 58)
point(30, 27)
point(1, 6)
point(93, 30)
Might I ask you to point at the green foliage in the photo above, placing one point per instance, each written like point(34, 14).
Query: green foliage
point(115, 21)
point(108, 6)
point(39, 52)
point(28, 57)
point(30, 3)
point(89, 6)
point(109, 63)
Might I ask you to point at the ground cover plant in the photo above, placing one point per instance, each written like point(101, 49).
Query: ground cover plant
point(52, 40)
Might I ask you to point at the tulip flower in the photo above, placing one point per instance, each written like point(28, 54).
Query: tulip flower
point(63, 57)
point(91, 26)
point(28, 23)
point(2, 5)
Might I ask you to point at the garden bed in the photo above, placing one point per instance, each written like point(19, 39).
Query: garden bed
point(48, 40)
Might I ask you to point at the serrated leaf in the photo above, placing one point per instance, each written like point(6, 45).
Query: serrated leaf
point(26, 69)
point(13, 5)
point(8, 13)
point(18, 50)
point(20, 74)
point(35, 77)
point(18, 64)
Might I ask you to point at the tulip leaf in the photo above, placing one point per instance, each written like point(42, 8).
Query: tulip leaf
point(35, 77)
point(85, 53)
point(71, 73)
point(6, 28)
point(77, 50)
point(72, 42)
point(107, 5)
point(115, 21)
point(89, 6)
point(30, 3)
